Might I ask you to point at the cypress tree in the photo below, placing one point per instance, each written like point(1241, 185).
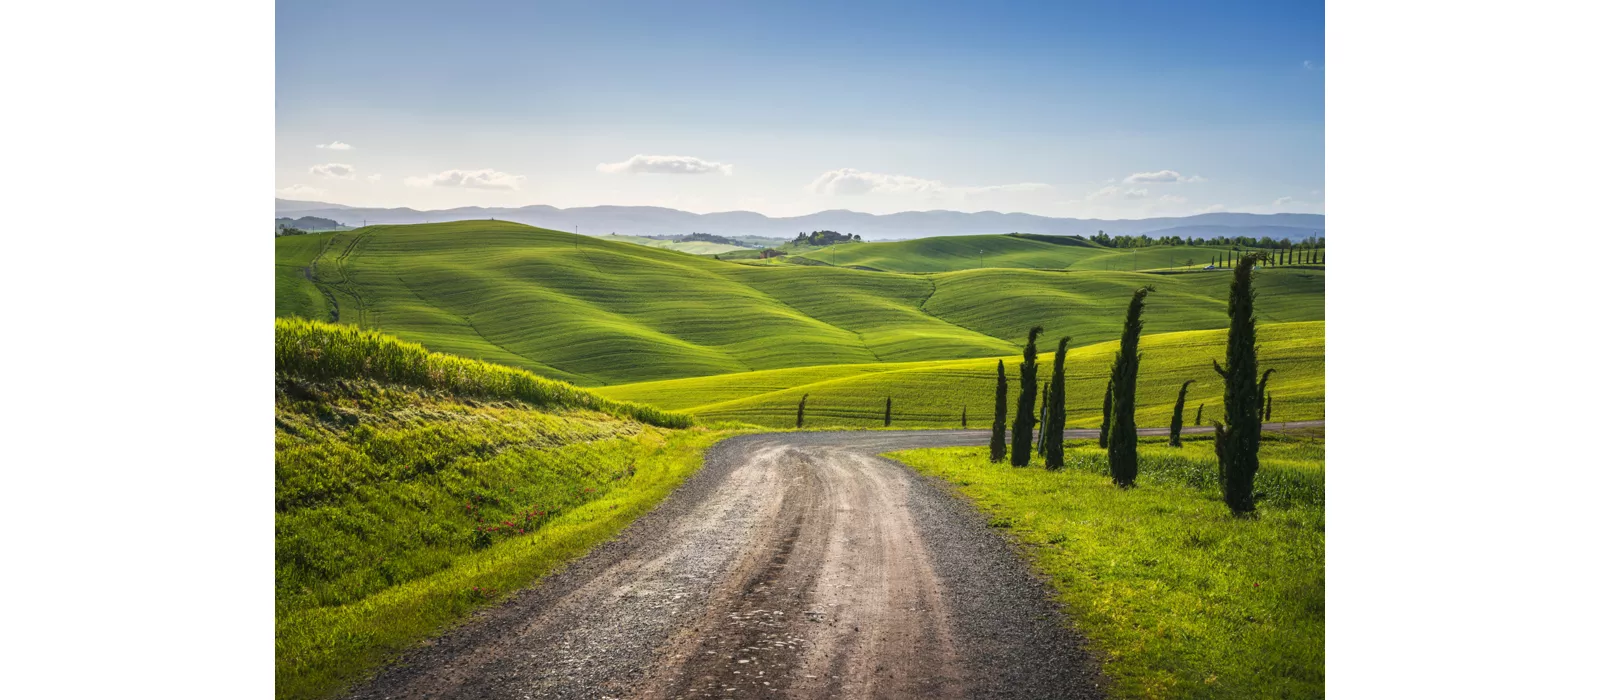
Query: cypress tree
point(1022, 429)
point(963, 416)
point(800, 415)
point(997, 433)
point(1266, 415)
point(1238, 437)
point(1105, 415)
point(888, 404)
point(1176, 440)
point(1054, 457)
point(1198, 413)
point(1123, 449)
point(1044, 416)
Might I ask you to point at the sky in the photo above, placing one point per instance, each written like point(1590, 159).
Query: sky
point(1081, 109)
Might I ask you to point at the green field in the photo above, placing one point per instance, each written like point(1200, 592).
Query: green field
point(951, 253)
point(412, 489)
point(931, 394)
point(1180, 598)
point(598, 312)
point(690, 247)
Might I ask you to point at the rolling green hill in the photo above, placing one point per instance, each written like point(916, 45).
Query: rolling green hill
point(598, 312)
point(950, 253)
point(932, 394)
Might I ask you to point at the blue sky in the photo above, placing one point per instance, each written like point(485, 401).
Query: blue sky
point(1103, 109)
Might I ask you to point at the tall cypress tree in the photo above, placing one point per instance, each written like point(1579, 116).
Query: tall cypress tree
point(1054, 456)
point(800, 415)
point(1238, 437)
point(997, 432)
point(963, 416)
point(888, 405)
point(1266, 415)
point(1199, 413)
point(1176, 440)
point(1044, 416)
point(1123, 448)
point(1022, 429)
point(1105, 413)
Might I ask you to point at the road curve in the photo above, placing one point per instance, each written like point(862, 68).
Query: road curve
point(793, 565)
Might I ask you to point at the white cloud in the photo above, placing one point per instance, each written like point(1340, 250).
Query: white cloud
point(1283, 201)
point(665, 165)
point(1211, 209)
point(336, 146)
point(1160, 176)
point(338, 170)
point(1310, 66)
point(1113, 193)
point(374, 177)
point(849, 181)
point(1172, 200)
point(300, 192)
point(485, 179)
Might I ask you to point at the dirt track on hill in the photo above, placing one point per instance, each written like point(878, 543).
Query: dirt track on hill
point(793, 565)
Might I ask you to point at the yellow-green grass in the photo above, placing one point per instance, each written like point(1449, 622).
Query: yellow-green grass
point(1179, 598)
point(951, 253)
point(597, 312)
point(932, 394)
point(324, 351)
point(412, 489)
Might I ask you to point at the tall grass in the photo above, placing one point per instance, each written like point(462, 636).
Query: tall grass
point(315, 350)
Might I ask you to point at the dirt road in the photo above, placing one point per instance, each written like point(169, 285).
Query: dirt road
point(794, 565)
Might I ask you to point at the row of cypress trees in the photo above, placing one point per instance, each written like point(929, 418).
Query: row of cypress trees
point(1238, 435)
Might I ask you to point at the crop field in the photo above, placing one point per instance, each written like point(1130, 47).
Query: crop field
point(1182, 599)
point(932, 394)
point(596, 312)
point(952, 253)
point(412, 489)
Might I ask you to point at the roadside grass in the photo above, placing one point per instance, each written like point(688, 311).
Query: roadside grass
point(931, 394)
point(1179, 598)
point(413, 488)
point(595, 312)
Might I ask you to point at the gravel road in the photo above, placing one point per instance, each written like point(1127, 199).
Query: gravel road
point(793, 565)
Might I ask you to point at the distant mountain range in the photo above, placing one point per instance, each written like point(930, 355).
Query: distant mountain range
point(646, 221)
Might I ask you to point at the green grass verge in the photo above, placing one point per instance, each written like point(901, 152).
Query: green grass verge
point(597, 312)
point(1180, 598)
point(413, 487)
point(931, 394)
point(401, 510)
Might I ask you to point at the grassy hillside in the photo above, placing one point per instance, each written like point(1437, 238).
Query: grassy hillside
point(931, 394)
point(1181, 599)
point(950, 253)
point(597, 312)
point(413, 488)
point(295, 293)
